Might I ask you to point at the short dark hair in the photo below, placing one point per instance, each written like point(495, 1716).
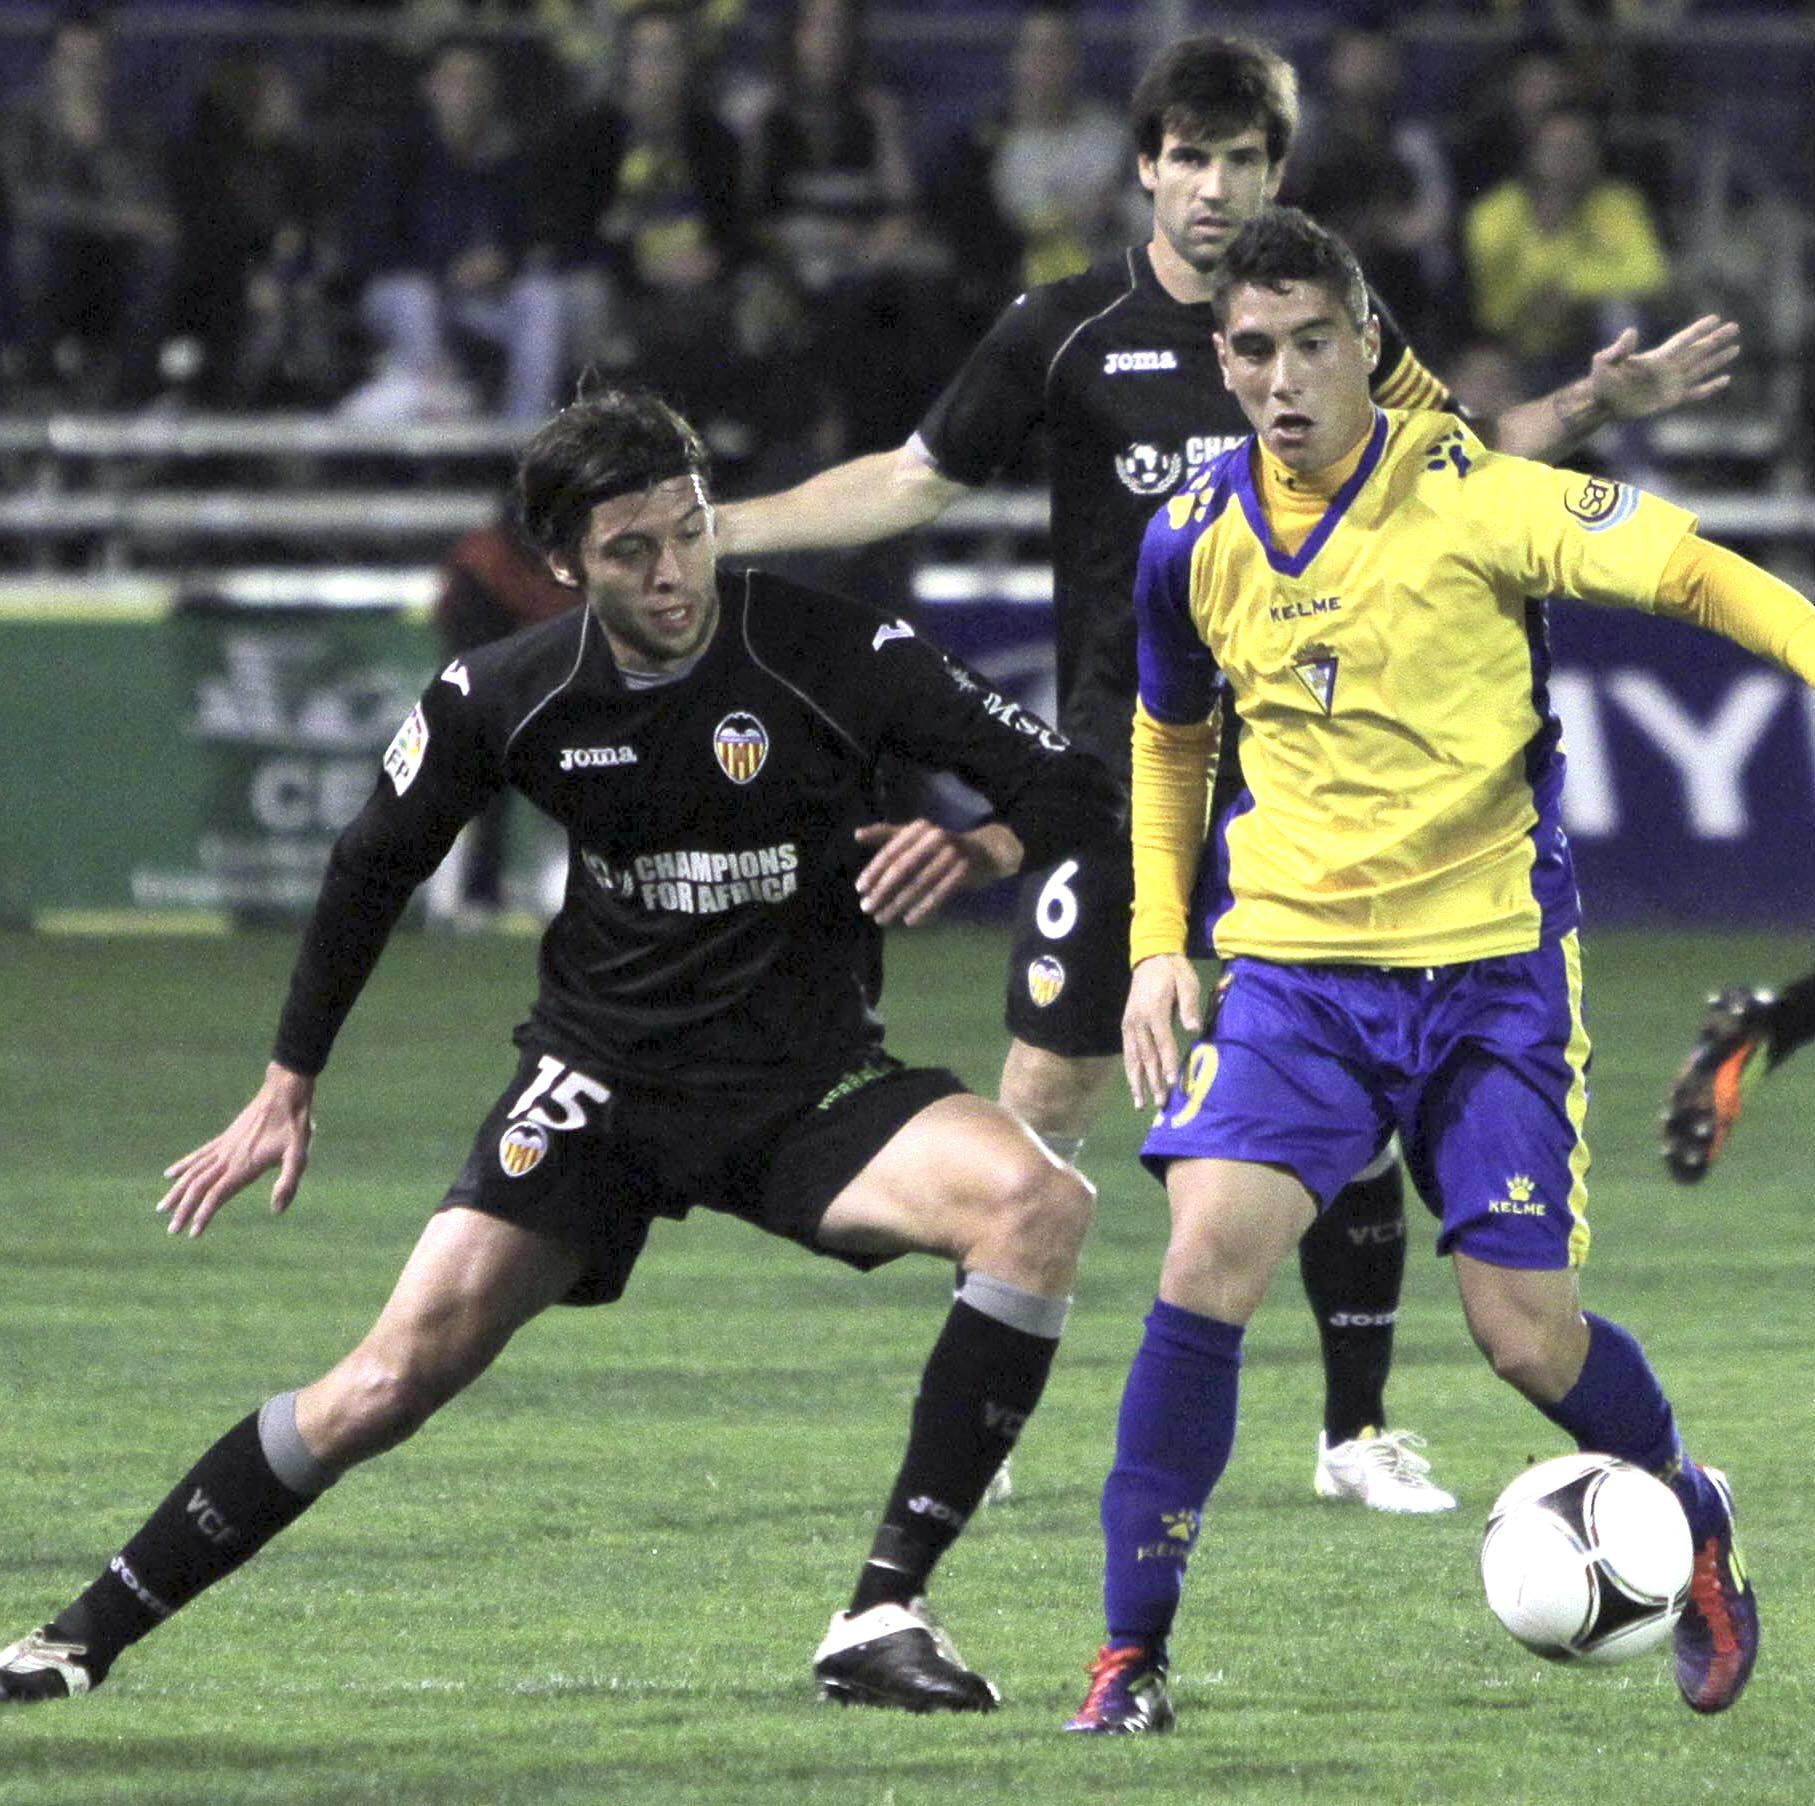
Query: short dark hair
point(606, 444)
point(1281, 245)
point(1209, 86)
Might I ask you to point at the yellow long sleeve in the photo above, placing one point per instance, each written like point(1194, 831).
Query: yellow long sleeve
point(1713, 588)
point(1174, 768)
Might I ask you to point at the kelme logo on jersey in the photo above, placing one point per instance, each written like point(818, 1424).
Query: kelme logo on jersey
point(1045, 980)
point(1599, 504)
point(1315, 668)
point(521, 1147)
point(740, 743)
point(1148, 470)
point(403, 757)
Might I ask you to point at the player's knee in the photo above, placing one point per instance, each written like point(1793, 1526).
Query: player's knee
point(376, 1404)
point(1534, 1358)
point(1069, 1202)
point(1042, 1209)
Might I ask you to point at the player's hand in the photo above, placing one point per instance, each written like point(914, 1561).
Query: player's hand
point(1691, 365)
point(916, 865)
point(273, 1130)
point(1164, 986)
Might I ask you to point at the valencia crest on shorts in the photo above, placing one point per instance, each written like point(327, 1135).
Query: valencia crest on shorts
point(1045, 979)
point(521, 1147)
point(740, 743)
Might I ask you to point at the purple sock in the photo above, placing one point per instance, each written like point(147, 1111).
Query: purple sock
point(1617, 1407)
point(1173, 1438)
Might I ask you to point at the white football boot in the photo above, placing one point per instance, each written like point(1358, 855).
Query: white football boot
point(1381, 1469)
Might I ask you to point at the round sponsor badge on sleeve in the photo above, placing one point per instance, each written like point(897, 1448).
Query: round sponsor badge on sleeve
point(521, 1147)
point(1599, 504)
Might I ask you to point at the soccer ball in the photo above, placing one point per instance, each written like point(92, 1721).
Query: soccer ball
point(1587, 1559)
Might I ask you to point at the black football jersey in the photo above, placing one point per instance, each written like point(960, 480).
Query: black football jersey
point(710, 935)
point(1124, 382)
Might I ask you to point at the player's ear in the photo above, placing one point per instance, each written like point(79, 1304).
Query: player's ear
point(1370, 340)
point(1148, 171)
point(1276, 174)
point(562, 572)
point(1222, 357)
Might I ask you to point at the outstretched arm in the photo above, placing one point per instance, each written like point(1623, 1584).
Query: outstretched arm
point(1623, 383)
point(1717, 590)
point(274, 1129)
point(852, 504)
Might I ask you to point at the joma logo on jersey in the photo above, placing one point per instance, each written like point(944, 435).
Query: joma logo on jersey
point(1296, 611)
point(1119, 363)
point(579, 758)
point(740, 743)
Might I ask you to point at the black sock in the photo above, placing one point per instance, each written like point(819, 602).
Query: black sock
point(227, 1507)
point(1352, 1260)
point(1792, 1018)
point(982, 1380)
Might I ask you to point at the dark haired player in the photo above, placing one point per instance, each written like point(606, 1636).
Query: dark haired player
point(703, 1032)
point(1117, 369)
point(1741, 1025)
point(1400, 928)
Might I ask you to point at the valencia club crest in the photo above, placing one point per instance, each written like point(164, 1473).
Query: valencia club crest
point(741, 745)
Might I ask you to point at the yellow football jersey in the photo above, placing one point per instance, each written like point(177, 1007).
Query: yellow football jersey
point(1390, 676)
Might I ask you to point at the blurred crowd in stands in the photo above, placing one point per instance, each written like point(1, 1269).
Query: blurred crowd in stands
point(742, 206)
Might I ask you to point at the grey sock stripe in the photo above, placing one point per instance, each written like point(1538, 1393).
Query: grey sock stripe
point(1025, 1311)
point(290, 1457)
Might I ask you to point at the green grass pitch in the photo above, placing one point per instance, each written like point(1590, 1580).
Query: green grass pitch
point(600, 1575)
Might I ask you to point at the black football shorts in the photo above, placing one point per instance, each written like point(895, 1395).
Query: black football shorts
point(1068, 970)
point(591, 1162)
